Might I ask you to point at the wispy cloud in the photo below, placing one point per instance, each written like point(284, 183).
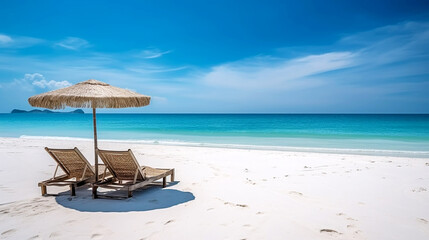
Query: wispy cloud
point(73, 43)
point(255, 73)
point(394, 43)
point(160, 99)
point(4, 39)
point(153, 53)
point(146, 69)
point(7, 41)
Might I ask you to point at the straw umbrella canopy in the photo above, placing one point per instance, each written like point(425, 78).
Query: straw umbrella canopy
point(90, 94)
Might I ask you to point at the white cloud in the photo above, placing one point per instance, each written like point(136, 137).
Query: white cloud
point(159, 99)
point(155, 69)
point(73, 43)
point(4, 39)
point(153, 53)
point(7, 41)
point(38, 80)
point(393, 43)
point(255, 73)
point(51, 84)
point(31, 77)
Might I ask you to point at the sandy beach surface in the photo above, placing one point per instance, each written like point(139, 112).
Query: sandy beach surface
point(220, 194)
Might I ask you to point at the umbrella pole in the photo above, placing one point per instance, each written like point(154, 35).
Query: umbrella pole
point(95, 143)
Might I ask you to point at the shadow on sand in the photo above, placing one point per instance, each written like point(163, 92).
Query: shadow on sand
point(143, 200)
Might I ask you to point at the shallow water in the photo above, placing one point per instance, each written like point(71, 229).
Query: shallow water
point(388, 132)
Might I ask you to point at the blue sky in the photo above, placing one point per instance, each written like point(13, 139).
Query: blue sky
point(223, 56)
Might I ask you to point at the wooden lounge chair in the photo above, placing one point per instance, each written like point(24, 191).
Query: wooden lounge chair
point(127, 173)
point(77, 170)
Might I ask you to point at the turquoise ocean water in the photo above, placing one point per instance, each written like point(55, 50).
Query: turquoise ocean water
point(358, 133)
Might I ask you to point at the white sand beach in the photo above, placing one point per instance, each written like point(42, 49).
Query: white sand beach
point(220, 194)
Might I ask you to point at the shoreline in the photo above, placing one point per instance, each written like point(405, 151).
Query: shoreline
point(350, 151)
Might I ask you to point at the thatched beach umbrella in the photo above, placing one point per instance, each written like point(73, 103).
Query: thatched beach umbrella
point(90, 94)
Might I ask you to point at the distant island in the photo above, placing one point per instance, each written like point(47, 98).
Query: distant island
point(77, 111)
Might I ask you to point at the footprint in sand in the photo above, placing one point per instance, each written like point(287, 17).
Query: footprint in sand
point(348, 218)
point(4, 211)
point(54, 235)
point(330, 231)
point(295, 193)
point(249, 181)
point(420, 189)
point(96, 236)
point(235, 204)
point(422, 220)
point(8, 232)
point(351, 224)
point(150, 222)
point(35, 237)
point(169, 221)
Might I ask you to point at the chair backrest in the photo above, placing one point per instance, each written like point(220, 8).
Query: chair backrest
point(122, 165)
point(72, 162)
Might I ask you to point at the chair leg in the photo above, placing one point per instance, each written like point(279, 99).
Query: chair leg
point(164, 182)
point(94, 192)
point(73, 189)
point(44, 191)
point(130, 193)
point(172, 176)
